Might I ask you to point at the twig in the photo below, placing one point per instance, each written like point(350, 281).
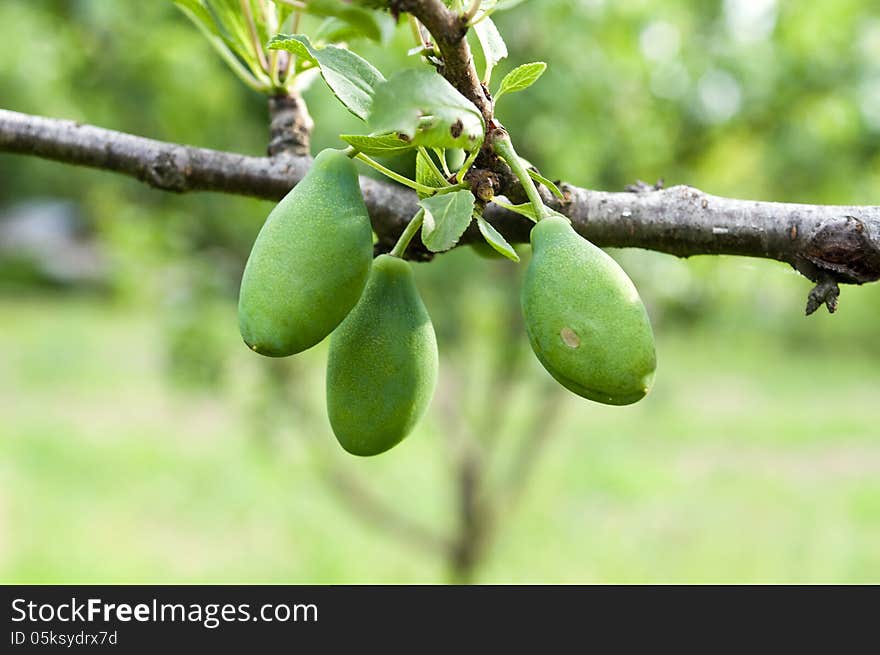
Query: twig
point(448, 29)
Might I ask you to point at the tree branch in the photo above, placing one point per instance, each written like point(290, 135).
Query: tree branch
point(448, 29)
point(824, 242)
point(179, 168)
point(165, 166)
point(818, 240)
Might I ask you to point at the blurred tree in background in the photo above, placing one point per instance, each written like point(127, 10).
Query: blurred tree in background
point(763, 99)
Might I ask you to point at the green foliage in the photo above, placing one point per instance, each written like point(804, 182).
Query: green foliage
point(232, 33)
point(496, 240)
point(426, 108)
point(455, 158)
point(384, 145)
point(239, 32)
point(585, 320)
point(492, 44)
point(447, 216)
point(489, 7)
point(382, 363)
point(427, 172)
point(526, 209)
point(537, 177)
point(520, 78)
point(376, 25)
point(309, 263)
point(351, 78)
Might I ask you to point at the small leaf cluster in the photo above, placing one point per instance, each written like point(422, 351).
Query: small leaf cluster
point(419, 110)
point(239, 31)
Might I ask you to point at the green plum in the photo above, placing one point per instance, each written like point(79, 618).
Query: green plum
point(382, 364)
point(309, 263)
point(585, 319)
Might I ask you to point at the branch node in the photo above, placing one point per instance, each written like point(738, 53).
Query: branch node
point(843, 246)
point(643, 187)
point(290, 125)
point(166, 173)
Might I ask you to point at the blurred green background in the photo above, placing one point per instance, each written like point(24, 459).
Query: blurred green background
point(140, 441)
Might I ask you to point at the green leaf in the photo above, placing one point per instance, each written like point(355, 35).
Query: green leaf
point(441, 157)
point(283, 12)
point(494, 238)
point(297, 44)
point(521, 77)
point(238, 56)
point(336, 30)
point(525, 209)
point(351, 78)
point(375, 4)
point(424, 106)
point(372, 24)
point(259, 22)
point(384, 145)
point(427, 173)
point(234, 30)
point(446, 218)
point(196, 11)
point(494, 48)
point(489, 7)
point(433, 175)
point(528, 210)
point(537, 177)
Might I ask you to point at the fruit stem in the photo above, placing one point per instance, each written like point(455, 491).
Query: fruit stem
point(504, 148)
point(449, 189)
point(397, 177)
point(414, 224)
point(441, 155)
point(466, 166)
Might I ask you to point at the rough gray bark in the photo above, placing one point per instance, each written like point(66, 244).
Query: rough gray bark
point(166, 166)
point(828, 244)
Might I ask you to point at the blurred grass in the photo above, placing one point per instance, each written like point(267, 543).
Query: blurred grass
point(751, 461)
